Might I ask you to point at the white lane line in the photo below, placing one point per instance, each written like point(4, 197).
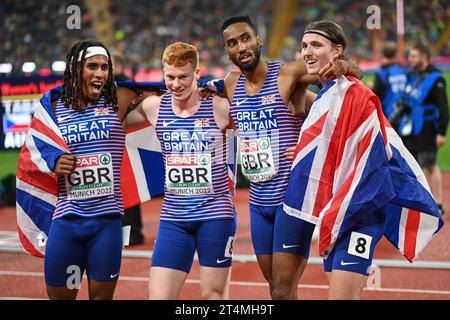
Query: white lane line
point(245, 283)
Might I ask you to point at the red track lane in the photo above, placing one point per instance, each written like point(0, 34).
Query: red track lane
point(21, 275)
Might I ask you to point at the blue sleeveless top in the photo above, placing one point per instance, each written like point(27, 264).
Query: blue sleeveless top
point(196, 177)
point(265, 115)
point(97, 139)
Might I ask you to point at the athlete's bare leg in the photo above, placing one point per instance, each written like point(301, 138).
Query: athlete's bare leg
point(287, 270)
point(345, 285)
point(265, 264)
point(61, 293)
point(165, 284)
point(101, 290)
point(215, 283)
point(435, 177)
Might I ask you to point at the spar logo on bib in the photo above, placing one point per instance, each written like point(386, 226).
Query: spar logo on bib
point(264, 144)
point(92, 177)
point(105, 159)
point(189, 175)
point(257, 159)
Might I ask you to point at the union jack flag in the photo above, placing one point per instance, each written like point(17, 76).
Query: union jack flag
point(98, 111)
point(201, 122)
point(36, 184)
point(142, 169)
point(268, 99)
point(350, 163)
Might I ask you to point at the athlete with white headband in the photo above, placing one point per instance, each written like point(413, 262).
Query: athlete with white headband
point(86, 230)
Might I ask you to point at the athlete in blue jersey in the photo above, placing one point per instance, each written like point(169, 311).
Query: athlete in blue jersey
point(267, 100)
point(390, 80)
point(86, 231)
point(197, 213)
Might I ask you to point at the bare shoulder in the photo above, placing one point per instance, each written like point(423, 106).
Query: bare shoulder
point(150, 105)
point(221, 108)
point(232, 77)
point(230, 81)
point(220, 104)
point(152, 101)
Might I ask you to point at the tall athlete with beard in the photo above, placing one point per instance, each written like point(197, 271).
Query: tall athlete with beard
point(266, 99)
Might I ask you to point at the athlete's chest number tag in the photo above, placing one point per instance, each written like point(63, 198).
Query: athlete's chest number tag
point(257, 159)
point(93, 177)
point(189, 175)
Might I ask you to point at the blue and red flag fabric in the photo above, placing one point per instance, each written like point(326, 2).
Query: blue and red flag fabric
point(350, 163)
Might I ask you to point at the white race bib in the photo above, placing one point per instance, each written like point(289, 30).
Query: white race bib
point(189, 175)
point(93, 177)
point(257, 159)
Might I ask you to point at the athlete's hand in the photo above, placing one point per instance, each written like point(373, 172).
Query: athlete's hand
point(440, 140)
point(334, 69)
point(141, 95)
point(289, 153)
point(206, 93)
point(65, 164)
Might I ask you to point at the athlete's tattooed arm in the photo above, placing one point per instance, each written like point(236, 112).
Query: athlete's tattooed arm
point(129, 100)
point(145, 112)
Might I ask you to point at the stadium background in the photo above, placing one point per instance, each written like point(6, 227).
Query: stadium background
point(35, 36)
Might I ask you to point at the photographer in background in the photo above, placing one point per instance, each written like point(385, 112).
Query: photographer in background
point(390, 79)
point(423, 124)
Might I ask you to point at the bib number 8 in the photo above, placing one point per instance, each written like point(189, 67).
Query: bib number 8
point(361, 245)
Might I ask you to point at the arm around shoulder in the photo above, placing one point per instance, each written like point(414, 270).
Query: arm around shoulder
point(146, 111)
point(221, 108)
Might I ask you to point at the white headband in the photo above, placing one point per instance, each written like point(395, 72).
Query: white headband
point(93, 51)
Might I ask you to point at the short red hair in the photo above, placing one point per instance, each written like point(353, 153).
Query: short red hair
point(181, 53)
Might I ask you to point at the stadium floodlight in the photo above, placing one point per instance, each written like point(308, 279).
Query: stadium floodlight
point(6, 67)
point(59, 66)
point(28, 67)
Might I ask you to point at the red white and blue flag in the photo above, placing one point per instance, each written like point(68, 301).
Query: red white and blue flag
point(16, 122)
point(36, 184)
point(142, 170)
point(349, 163)
point(142, 173)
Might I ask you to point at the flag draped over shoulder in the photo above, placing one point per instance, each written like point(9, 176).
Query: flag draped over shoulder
point(142, 173)
point(349, 163)
point(36, 184)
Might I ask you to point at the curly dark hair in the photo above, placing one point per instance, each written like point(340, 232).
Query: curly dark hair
point(72, 90)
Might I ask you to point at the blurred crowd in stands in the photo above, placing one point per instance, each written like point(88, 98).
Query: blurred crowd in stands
point(36, 30)
point(424, 21)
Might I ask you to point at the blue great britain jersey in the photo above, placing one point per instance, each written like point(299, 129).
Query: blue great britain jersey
point(196, 173)
point(97, 139)
point(266, 127)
